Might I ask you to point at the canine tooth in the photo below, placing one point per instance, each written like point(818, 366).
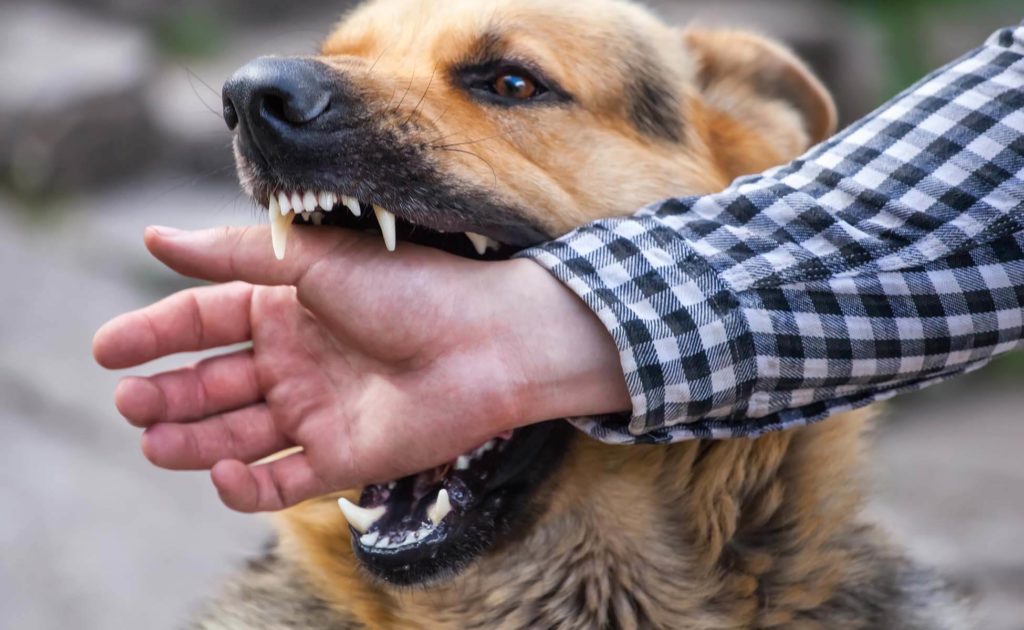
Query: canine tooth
point(352, 204)
point(284, 203)
point(440, 509)
point(479, 242)
point(309, 202)
point(360, 518)
point(326, 200)
point(387, 226)
point(280, 226)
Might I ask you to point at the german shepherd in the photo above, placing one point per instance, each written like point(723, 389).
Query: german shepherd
point(516, 121)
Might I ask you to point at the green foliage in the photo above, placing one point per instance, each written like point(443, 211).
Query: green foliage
point(190, 35)
point(1008, 366)
point(903, 24)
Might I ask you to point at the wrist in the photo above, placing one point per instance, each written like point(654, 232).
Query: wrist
point(570, 363)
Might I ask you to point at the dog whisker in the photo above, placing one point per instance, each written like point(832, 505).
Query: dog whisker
point(192, 76)
point(407, 88)
point(369, 71)
point(461, 144)
point(494, 173)
point(422, 98)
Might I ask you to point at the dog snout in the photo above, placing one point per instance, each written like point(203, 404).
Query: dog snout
point(276, 100)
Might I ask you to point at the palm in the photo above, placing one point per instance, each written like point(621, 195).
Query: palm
point(368, 391)
point(364, 363)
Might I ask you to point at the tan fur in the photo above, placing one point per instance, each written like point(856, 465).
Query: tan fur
point(731, 534)
point(587, 161)
point(703, 535)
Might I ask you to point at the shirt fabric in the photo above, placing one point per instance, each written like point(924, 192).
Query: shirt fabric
point(887, 259)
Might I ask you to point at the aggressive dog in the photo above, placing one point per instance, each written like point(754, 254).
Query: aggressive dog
point(481, 127)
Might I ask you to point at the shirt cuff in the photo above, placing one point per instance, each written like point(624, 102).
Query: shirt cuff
point(686, 350)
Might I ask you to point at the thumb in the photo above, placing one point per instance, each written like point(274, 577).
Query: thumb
point(227, 254)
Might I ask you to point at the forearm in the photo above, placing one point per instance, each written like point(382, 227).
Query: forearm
point(920, 204)
point(562, 359)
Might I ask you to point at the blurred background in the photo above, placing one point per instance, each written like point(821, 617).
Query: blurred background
point(110, 121)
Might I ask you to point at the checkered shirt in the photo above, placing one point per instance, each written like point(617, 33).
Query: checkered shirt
point(884, 260)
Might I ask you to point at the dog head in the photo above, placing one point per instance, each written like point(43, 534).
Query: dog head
point(512, 121)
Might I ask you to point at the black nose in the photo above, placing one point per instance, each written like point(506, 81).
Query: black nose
point(273, 98)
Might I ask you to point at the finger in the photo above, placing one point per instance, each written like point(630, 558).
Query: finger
point(246, 434)
point(214, 385)
point(267, 487)
point(195, 319)
point(245, 253)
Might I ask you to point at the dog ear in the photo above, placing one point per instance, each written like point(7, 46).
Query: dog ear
point(754, 87)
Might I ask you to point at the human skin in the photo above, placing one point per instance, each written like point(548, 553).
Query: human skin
point(378, 364)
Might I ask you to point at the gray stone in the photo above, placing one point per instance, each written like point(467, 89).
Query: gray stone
point(948, 474)
point(92, 536)
point(72, 111)
point(236, 11)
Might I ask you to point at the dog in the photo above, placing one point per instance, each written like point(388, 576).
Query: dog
point(482, 127)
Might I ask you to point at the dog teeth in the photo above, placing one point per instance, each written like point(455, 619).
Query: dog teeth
point(479, 242)
point(285, 207)
point(280, 227)
point(285, 203)
point(440, 508)
point(482, 243)
point(327, 201)
point(463, 462)
point(370, 540)
point(387, 226)
point(489, 446)
point(382, 540)
point(352, 204)
point(361, 519)
point(309, 202)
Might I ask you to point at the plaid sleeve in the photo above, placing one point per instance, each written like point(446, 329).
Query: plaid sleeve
point(887, 259)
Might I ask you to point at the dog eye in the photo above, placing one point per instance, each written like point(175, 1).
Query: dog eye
point(508, 84)
point(516, 85)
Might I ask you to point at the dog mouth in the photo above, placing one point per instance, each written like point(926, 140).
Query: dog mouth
point(432, 524)
point(324, 208)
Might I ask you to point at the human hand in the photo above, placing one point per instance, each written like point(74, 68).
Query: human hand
point(377, 364)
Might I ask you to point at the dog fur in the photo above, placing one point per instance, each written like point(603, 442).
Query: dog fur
point(762, 533)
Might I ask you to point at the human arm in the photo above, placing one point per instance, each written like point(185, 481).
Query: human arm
point(787, 298)
point(886, 259)
point(378, 365)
